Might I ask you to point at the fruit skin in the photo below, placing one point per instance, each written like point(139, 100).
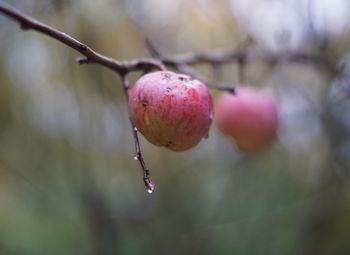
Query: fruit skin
point(249, 116)
point(171, 110)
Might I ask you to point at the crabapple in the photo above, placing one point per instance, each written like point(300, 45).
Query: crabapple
point(248, 116)
point(171, 110)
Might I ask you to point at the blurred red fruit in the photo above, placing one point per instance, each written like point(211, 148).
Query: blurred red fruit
point(171, 110)
point(249, 116)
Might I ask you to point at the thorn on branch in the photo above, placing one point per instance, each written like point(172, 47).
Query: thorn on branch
point(83, 60)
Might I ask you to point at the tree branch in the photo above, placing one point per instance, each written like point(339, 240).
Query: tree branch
point(182, 63)
point(138, 154)
point(179, 61)
point(90, 56)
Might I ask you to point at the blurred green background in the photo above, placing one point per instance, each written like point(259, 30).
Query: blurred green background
point(68, 181)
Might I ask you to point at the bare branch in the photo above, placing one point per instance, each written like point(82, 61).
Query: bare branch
point(184, 68)
point(245, 54)
point(182, 63)
point(90, 56)
point(215, 57)
point(138, 154)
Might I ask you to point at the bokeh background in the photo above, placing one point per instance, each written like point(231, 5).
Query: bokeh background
point(68, 181)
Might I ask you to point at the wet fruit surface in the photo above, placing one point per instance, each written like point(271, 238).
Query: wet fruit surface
point(171, 110)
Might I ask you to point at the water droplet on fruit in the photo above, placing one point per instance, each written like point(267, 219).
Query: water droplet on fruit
point(195, 82)
point(166, 77)
point(147, 121)
point(211, 116)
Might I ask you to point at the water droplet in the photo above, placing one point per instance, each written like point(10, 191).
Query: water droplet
point(147, 121)
point(166, 76)
point(185, 99)
point(135, 129)
point(168, 91)
point(136, 157)
point(150, 191)
point(211, 116)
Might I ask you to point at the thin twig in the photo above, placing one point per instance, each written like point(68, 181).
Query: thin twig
point(140, 64)
point(214, 57)
point(184, 68)
point(90, 56)
point(138, 154)
point(182, 63)
point(245, 54)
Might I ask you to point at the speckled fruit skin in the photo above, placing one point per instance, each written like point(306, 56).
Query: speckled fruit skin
point(171, 110)
point(249, 116)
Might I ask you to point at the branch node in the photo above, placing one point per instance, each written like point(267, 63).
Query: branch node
point(24, 26)
point(84, 48)
point(83, 60)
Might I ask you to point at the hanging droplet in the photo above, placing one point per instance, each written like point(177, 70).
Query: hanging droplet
point(135, 129)
point(150, 191)
point(136, 157)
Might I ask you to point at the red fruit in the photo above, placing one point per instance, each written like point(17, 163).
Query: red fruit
point(249, 116)
point(171, 110)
